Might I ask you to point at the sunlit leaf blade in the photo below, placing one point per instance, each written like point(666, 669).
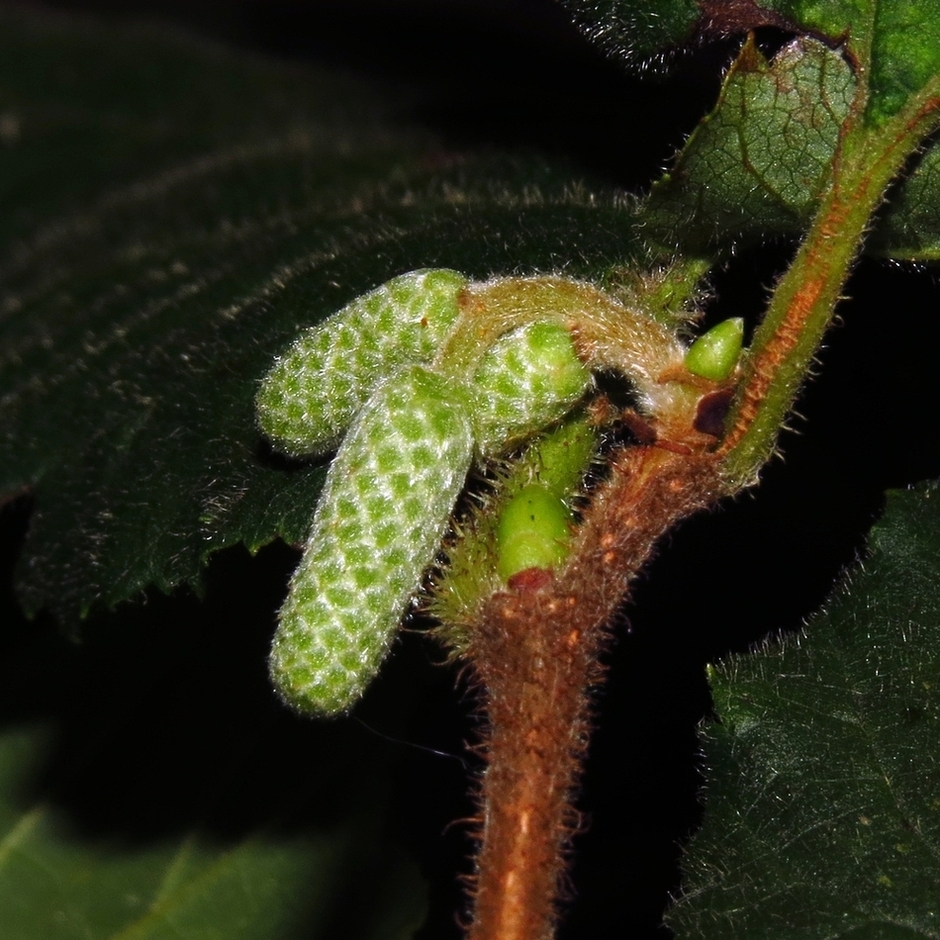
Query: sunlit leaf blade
point(895, 40)
point(200, 231)
point(757, 164)
point(823, 775)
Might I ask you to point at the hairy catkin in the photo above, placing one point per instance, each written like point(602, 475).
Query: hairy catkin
point(528, 379)
point(377, 527)
point(400, 468)
point(314, 390)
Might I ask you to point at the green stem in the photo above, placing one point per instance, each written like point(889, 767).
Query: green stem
point(867, 160)
point(608, 334)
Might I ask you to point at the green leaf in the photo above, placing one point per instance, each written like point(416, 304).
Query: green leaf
point(908, 228)
point(758, 164)
point(139, 801)
point(895, 44)
point(57, 885)
point(896, 40)
point(822, 811)
point(167, 231)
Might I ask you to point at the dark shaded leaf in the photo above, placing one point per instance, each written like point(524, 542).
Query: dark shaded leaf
point(909, 227)
point(822, 810)
point(203, 229)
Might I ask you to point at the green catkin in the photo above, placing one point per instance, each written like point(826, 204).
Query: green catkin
point(396, 477)
point(715, 353)
point(314, 390)
point(378, 525)
point(528, 379)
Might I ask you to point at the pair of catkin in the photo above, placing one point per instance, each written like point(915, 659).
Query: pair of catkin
point(411, 430)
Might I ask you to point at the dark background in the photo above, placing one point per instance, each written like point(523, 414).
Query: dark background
point(514, 75)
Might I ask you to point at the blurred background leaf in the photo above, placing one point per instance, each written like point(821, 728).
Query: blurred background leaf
point(57, 882)
point(150, 786)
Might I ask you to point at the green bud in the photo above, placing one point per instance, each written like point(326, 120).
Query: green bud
point(379, 523)
point(310, 396)
point(556, 460)
point(528, 379)
point(532, 531)
point(715, 353)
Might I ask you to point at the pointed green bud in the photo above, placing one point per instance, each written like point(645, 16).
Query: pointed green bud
point(313, 391)
point(527, 379)
point(379, 523)
point(532, 531)
point(715, 353)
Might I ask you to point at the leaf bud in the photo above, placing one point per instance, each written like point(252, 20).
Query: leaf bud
point(715, 354)
point(533, 531)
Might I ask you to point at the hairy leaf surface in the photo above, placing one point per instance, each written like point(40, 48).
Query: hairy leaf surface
point(634, 30)
point(909, 226)
point(894, 41)
point(167, 230)
point(822, 810)
point(758, 164)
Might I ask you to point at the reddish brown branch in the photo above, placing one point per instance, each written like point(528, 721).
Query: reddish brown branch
point(536, 654)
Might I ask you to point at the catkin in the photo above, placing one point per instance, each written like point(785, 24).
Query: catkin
point(378, 525)
point(314, 390)
point(528, 379)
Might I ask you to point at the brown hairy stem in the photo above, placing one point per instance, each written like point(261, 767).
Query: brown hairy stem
point(536, 655)
point(535, 648)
